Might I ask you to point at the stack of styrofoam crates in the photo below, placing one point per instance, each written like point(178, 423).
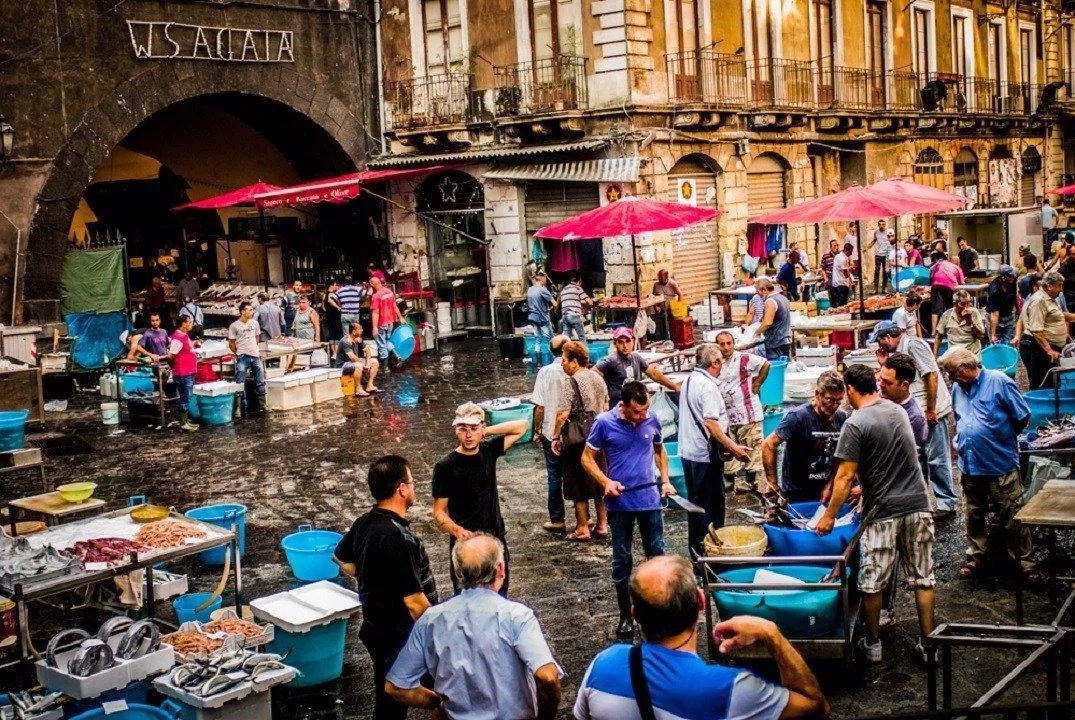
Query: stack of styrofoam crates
point(817, 357)
point(288, 392)
point(327, 385)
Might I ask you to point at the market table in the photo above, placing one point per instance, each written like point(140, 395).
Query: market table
point(51, 506)
point(1053, 508)
point(821, 325)
point(22, 593)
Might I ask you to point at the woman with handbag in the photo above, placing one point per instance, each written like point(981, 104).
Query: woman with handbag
point(583, 396)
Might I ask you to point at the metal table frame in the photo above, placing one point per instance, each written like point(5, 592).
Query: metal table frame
point(24, 593)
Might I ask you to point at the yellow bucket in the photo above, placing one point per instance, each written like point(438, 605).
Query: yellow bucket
point(679, 309)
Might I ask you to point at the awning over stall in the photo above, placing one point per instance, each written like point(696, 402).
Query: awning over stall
point(335, 189)
point(603, 170)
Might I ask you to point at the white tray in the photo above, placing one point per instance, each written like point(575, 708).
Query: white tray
point(238, 692)
point(298, 611)
point(117, 677)
point(218, 387)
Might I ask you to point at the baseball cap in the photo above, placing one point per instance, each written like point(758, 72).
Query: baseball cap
point(623, 332)
point(378, 274)
point(885, 328)
point(469, 414)
point(1006, 270)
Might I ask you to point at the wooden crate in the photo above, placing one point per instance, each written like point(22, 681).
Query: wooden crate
point(20, 458)
point(281, 398)
point(327, 389)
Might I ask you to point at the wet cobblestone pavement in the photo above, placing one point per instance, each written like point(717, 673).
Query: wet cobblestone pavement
point(308, 466)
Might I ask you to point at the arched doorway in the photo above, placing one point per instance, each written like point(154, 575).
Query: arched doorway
point(695, 180)
point(1003, 177)
point(929, 168)
point(1030, 169)
point(187, 150)
point(452, 206)
point(965, 171)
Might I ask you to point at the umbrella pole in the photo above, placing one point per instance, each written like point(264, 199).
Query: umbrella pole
point(264, 244)
point(862, 287)
point(638, 285)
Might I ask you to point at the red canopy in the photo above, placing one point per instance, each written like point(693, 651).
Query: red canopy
point(884, 199)
point(1065, 190)
point(627, 216)
point(335, 189)
point(239, 196)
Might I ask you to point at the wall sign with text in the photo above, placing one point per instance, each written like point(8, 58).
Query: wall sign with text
point(161, 40)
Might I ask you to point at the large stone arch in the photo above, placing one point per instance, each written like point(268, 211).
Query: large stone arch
point(152, 91)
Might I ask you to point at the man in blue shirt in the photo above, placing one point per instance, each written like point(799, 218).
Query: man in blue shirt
point(486, 654)
point(631, 440)
point(681, 685)
point(990, 414)
point(540, 301)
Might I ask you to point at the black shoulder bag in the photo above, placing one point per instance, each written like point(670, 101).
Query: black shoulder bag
point(579, 421)
point(639, 685)
point(716, 450)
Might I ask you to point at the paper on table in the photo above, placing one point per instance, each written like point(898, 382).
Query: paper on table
point(763, 578)
point(114, 706)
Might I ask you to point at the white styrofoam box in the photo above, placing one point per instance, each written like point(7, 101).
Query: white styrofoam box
point(862, 357)
point(276, 347)
point(217, 387)
point(168, 585)
point(817, 357)
point(235, 700)
point(271, 373)
point(297, 611)
point(325, 390)
point(117, 677)
point(288, 398)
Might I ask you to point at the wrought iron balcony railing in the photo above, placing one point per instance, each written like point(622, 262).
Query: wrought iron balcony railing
point(430, 101)
point(703, 76)
point(543, 86)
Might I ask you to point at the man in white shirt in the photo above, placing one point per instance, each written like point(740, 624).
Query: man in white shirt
point(243, 336)
point(1048, 222)
point(546, 400)
point(842, 267)
point(702, 417)
point(741, 378)
point(906, 315)
point(881, 244)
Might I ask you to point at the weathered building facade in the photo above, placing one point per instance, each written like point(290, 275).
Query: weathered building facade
point(745, 106)
point(220, 94)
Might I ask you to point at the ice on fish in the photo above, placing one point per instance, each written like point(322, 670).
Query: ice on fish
point(765, 578)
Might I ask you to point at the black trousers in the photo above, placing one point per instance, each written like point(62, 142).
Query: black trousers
point(1036, 361)
point(383, 650)
point(839, 295)
point(507, 568)
point(705, 488)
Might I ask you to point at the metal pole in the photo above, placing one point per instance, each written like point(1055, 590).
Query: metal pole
point(638, 285)
point(862, 287)
point(264, 244)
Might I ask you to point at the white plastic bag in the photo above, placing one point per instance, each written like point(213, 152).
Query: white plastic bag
point(666, 413)
point(319, 358)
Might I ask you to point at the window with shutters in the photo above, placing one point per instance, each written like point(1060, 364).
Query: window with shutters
point(923, 55)
point(929, 168)
point(825, 49)
point(443, 28)
point(760, 28)
point(995, 52)
point(875, 49)
point(684, 40)
point(1067, 53)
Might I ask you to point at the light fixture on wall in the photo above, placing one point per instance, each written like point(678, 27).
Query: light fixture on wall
point(7, 142)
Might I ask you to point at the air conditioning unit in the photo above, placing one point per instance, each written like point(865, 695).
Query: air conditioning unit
point(742, 147)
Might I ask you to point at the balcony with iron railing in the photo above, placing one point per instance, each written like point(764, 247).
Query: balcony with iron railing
point(953, 93)
point(703, 76)
point(435, 100)
point(543, 86)
point(852, 89)
point(777, 83)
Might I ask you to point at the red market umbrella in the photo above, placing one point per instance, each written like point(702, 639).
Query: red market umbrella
point(1065, 190)
point(629, 215)
point(339, 189)
point(239, 196)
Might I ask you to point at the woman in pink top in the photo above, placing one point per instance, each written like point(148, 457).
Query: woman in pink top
point(944, 276)
point(184, 368)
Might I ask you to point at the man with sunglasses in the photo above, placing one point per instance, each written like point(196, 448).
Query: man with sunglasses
point(465, 497)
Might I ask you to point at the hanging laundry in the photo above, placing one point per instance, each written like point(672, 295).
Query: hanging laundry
point(774, 238)
point(537, 251)
point(564, 256)
point(756, 241)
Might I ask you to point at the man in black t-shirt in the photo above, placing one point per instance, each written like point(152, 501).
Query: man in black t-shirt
point(465, 498)
point(391, 568)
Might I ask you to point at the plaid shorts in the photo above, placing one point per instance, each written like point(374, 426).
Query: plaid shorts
point(911, 538)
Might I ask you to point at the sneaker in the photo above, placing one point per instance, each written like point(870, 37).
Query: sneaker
point(189, 426)
point(554, 527)
point(886, 618)
point(871, 652)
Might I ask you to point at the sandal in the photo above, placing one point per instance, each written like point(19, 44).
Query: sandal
point(576, 537)
point(970, 569)
point(599, 534)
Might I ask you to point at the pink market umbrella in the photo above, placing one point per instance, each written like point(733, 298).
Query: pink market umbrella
point(888, 198)
point(1065, 190)
point(629, 215)
point(238, 196)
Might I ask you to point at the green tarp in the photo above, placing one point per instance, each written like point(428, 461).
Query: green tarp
point(92, 281)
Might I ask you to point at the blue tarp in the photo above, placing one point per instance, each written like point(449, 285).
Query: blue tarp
point(98, 342)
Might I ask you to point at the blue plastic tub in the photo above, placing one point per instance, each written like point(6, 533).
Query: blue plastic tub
point(316, 654)
point(134, 711)
point(13, 429)
point(137, 381)
point(770, 422)
point(403, 341)
point(216, 409)
point(224, 515)
point(193, 409)
point(135, 693)
point(793, 542)
point(672, 448)
point(523, 411)
point(530, 346)
point(1042, 404)
point(185, 606)
point(309, 552)
point(599, 349)
point(772, 390)
point(798, 614)
point(908, 277)
point(1001, 357)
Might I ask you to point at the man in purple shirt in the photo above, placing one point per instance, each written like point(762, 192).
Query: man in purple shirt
point(631, 440)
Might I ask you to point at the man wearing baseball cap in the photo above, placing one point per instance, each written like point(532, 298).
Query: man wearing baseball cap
point(625, 365)
point(1000, 303)
point(935, 400)
point(465, 498)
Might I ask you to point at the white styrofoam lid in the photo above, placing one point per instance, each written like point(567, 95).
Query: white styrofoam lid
point(284, 609)
point(327, 596)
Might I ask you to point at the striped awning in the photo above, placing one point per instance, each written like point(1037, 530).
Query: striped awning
point(490, 152)
point(605, 170)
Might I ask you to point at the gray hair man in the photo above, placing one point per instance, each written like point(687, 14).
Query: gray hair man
point(741, 378)
point(775, 320)
point(484, 652)
point(962, 324)
point(990, 414)
point(667, 603)
point(703, 437)
point(1046, 329)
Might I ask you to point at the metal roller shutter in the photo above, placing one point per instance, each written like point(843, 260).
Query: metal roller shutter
point(695, 250)
point(765, 191)
point(549, 202)
point(1027, 196)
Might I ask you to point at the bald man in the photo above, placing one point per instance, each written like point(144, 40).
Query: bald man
point(484, 651)
point(667, 602)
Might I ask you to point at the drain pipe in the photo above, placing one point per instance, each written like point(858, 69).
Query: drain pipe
point(15, 272)
point(377, 17)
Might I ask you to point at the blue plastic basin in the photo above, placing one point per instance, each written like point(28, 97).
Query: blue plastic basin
point(793, 542)
point(215, 409)
point(317, 654)
point(224, 515)
point(523, 411)
point(772, 390)
point(137, 381)
point(798, 614)
point(13, 429)
point(908, 277)
point(770, 422)
point(1001, 357)
point(1042, 404)
point(599, 349)
point(403, 341)
point(309, 552)
point(133, 712)
point(185, 606)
